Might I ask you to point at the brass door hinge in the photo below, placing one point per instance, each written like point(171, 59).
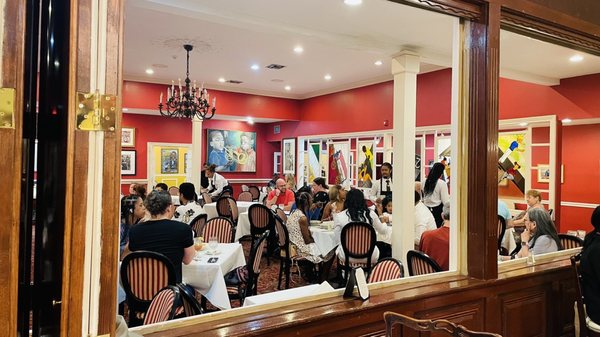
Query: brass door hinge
point(96, 112)
point(7, 108)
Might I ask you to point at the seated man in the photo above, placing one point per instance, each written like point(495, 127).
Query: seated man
point(160, 234)
point(436, 243)
point(281, 196)
point(424, 220)
point(190, 208)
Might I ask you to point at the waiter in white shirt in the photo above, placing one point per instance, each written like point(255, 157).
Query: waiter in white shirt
point(382, 187)
point(216, 182)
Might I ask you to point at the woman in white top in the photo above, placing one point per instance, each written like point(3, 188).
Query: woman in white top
point(216, 182)
point(190, 208)
point(337, 196)
point(356, 210)
point(435, 192)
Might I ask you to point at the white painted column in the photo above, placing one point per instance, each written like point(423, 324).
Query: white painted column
point(196, 153)
point(405, 67)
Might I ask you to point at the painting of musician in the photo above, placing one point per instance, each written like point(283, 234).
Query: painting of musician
point(232, 151)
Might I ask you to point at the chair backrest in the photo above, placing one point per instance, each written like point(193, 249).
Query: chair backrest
point(283, 236)
point(253, 265)
point(255, 191)
point(393, 319)
point(163, 305)
point(227, 191)
point(281, 214)
point(501, 230)
point(198, 224)
point(261, 218)
point(385, 270)
point(235, 213)
point(223, 207)
point(143, 274)
point(245, 196)
point(569, 241)
point(575, 264)
point(358, 241)
point(420, 263)
point(207, 198)
point(191, 306)
point(220, 227)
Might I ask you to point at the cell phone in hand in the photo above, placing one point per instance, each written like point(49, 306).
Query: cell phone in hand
point(213, 260)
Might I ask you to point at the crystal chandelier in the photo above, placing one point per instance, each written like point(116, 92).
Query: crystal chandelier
point(187, 101)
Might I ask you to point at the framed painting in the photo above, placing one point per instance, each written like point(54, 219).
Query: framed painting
point(128, 160)
point(544, 173)
point(366, 164)
point(169, 161)
point(288, 151)
point(127, 137)
point(231, 151)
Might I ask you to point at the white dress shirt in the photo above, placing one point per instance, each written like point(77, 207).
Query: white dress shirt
point(341, 219)
point(217, 182)
point(378, 186)
point(424, 221)
point(438, 196)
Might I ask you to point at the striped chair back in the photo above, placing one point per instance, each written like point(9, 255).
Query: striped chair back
point(255, 191)
point(283, 236)
point(261, 218)
point(568, 241)
point(420, 263)
point(223, 207)
point(163, 305)
point(220, 227)
point(191, 307)
point(245, 196)
point(235, 213)
point(281, 214)
point(358, 242)
point(501, 230)
point(256, 253)
point(198, 224)
point(143, 274)
point(385, 270)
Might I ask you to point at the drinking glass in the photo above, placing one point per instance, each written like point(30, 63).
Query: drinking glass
point(198, 244)
point(213, 242)
point(530, 259)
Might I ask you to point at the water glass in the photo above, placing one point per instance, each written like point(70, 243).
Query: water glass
point(530, 259)
point(213, 242)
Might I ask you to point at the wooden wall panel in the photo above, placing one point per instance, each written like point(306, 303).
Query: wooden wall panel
point(12, 65)
point(527, 307)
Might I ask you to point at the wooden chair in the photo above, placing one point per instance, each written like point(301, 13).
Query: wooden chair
point(198, 224)
point(163, 306)
point(143, 274)
point(247, 282)
point(227, 207)
point(358, 242)
point(281, 214)
point(568, 241)
point(385, 270)
point(191, 306)
point(255, 191)
point(245, 196)
point(285, 258)
point(501, 231)
point(443, 326)
point(420, 263)
point(261, 219)
point(220, 227)
point(585, 328)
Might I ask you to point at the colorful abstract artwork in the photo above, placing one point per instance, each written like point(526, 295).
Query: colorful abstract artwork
point(366, 164)
point(512, 159)
point(338, 154)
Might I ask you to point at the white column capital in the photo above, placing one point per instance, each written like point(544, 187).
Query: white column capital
point(406, 61)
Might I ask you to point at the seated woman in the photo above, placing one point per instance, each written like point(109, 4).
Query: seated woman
point(300, 236)
point(539, 236)
point(132, 212)
point(590, 269)
point(337, 196)
point(356, 210)
point(534, 200)
point(160, 234)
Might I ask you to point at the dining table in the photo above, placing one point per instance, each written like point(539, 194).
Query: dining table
point(207, 270)
point(211, 208)
point(288, 294)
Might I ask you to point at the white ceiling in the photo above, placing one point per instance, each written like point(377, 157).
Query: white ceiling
point(231, 35)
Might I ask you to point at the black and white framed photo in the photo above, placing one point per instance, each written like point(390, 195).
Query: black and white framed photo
point(288, 153)
point(128, 162)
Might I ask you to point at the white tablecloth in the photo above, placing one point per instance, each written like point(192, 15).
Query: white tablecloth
point(211, 209)
point(508, 241)
point(243, 226)
point(324, 239)
point(208, 278)
point(288, 294)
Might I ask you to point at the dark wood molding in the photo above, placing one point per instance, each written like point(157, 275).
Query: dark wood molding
point(12, 64)
point(471, 10)
point(482, 46)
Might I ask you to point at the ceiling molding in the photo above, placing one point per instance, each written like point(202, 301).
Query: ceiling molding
point(528, 77)
point(137, 111)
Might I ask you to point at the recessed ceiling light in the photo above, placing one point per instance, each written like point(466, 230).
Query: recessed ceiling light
point(254, 67)
point(221, 79)
point(353, 2)
point(576, 58)
point(250, 120)
point(327, 77)
point(523, 124)
point(378, 62)
point(566, 120)
point(149, 71)
point(298, 49)
point(288, 88)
